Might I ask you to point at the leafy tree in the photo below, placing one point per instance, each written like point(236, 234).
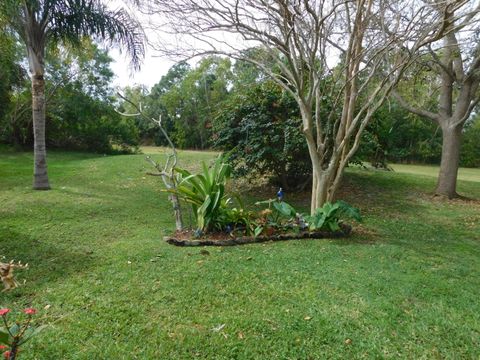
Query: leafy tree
point(147, 129)
point(399, 136)
point(80, 112)
point(12, 77)
point(470, 154)
point(300, 38)
point(39, 23)
point(454, 79)
point(260, 128)
point(188, 98)
point(158, 99)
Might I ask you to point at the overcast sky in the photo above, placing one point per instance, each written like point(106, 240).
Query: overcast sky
point(154, 65)
point(153, 68)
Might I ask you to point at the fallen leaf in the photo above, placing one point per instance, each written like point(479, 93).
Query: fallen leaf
point(240, 335)
point(348, 341)
point(218, 328)
point(46, 307)
point(307, 318)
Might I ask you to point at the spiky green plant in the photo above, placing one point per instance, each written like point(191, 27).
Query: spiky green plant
point(205, 192)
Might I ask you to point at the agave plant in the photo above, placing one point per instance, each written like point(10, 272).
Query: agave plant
point(205, 192)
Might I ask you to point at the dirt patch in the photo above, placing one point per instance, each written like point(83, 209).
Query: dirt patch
point(186, 238)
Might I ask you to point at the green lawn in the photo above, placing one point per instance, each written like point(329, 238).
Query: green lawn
point(468, 174)
point(405, 285)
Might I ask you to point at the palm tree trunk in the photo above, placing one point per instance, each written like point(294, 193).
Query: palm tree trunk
point(40, 176)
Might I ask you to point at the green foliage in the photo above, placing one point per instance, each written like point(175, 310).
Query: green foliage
point(237, 219)
point(329, 215)
point(69, 22)
point(80, 109)
point(279, 216)
point(261, 123)
point(187, 99)
point(284, 209)
point(283, 217)
point(395, 135)
point(12, 77)
point(470, 153)
point(205, 192)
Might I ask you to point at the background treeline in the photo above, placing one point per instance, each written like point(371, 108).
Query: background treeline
point(214, 104)
point(79, 95)
point(234, 107)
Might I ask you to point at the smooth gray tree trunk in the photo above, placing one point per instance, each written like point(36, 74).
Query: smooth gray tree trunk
point(447, 178)
point(40, 176)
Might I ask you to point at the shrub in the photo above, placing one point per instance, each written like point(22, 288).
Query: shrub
point(263, 127)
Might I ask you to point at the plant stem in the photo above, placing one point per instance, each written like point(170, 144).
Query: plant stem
point(6, 325)
point(14, 349)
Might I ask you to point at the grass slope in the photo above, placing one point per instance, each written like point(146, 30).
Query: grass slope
point(406, 285)
point(469, 174)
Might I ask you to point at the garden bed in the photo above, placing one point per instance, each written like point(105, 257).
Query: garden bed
point(186, 238)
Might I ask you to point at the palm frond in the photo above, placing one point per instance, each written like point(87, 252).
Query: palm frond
point(70, 20)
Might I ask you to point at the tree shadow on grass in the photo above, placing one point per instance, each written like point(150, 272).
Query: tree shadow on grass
point(47, 263)
point(383, 193)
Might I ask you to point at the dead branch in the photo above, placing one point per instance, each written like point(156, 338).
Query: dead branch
point(167, 172)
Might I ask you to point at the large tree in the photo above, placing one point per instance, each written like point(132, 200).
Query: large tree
point(453, 77)
point(40, 22)
point(322, 48)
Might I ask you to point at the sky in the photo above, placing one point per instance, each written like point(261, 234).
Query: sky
point(154, 65)
point(152, 69)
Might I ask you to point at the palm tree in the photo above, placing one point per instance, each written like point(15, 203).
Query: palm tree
point(41, 22)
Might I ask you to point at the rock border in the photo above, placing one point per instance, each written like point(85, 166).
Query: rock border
point(344, 232)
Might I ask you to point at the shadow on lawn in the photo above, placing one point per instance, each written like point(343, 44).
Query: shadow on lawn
point(47, 263)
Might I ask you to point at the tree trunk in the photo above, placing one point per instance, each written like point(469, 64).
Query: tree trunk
point(447, 178)
point(321, 184)
point(177, 212)
point(40, 176)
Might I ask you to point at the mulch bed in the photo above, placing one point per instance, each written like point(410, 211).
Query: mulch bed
point(185, 238)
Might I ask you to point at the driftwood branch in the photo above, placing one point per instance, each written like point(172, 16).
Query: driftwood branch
point(167, 172)
point(6, 274)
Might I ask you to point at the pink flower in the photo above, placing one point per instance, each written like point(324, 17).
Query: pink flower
point(6, 354)
point(4, 312)
point(3, 347)
point(30, 311)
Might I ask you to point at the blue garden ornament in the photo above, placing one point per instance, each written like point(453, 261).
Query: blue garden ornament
point(280, 195)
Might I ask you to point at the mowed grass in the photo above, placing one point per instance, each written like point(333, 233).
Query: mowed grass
point(406, 285)
point(468, 174)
